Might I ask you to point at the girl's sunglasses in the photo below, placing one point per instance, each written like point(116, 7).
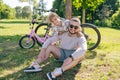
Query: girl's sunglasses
point(75, 27)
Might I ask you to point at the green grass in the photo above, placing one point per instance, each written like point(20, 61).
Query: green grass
point(14, 21)
point(103, 63)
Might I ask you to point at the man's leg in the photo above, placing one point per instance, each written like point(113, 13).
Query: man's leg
point(68, 64)
point(50, 50)
point(71, 64)
point(43, 55)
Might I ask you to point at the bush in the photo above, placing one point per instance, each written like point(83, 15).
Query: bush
point(113, 22)
point(116, 19)
point(104, 23)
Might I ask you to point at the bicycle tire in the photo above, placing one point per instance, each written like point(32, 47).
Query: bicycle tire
point(86, 25)
point(41, 31)
point(88, 28)
point(23, 40)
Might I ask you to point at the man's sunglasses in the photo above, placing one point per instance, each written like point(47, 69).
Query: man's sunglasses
point(75, 27)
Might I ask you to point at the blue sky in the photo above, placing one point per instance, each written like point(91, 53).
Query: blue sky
point(14, 3)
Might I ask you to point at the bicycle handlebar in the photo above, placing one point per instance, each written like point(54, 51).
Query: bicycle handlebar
point(33, 21)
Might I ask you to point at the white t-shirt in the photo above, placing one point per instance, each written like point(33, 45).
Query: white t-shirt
point(73, 42)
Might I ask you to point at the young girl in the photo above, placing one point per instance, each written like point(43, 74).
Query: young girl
point(59, 25)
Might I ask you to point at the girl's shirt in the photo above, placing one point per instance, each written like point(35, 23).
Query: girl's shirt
point(63, 28)
point(70, 43)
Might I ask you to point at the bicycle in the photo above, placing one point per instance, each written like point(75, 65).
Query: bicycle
point(28, 41)
point(42, 31)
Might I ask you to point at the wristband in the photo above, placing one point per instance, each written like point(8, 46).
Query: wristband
point(71, 57)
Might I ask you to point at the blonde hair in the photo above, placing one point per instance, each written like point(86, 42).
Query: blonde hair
point(51, 15)
point(79, 27)
point(76, 19)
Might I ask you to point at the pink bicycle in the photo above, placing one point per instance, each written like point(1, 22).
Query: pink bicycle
point(28, 41)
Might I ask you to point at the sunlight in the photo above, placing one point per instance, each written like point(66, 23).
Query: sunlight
point(13, 70)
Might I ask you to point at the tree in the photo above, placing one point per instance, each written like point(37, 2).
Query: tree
point(1, 5)
point(78, 6)
point(11, 14)
point(116, 19)
point(38, 8)
point(84, 4)
point(41, 7)
point(107, 9)
point(68, 9)
point(18, 12)
point(26, 12)
point(60, 5)
point(1, 8)
point(6, 12)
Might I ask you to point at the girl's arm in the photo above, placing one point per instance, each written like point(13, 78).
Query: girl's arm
point(67, 23)
point(54, 31)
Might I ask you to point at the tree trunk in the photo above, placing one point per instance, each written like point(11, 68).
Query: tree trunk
point(68, 9)
point(83, 15)
point(83, 18)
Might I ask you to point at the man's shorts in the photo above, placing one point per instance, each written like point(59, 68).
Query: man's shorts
point(65, 54)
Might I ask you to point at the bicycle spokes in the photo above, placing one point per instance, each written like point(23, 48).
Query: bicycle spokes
point(26, 42)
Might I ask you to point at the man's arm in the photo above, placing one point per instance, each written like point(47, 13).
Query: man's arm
point(50, 40)
point(81, 49)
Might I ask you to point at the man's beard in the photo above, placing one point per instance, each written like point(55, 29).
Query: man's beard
point(71, 33)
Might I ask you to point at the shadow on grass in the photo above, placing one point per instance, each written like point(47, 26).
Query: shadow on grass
point(2, 27)
point(20, 75)
point(12, 58)
point(11, 55)
point(90, 54)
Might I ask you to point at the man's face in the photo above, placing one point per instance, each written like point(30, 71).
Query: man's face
point(73, 29)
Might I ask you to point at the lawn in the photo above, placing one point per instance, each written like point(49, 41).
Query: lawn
point(103, 63)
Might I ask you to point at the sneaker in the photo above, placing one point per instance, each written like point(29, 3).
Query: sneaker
point(57, 71)
point(49, 75)
point(34, 67)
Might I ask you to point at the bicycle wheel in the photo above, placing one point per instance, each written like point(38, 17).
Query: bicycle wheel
point(41, 31)
point(92, 35)
point(26, 42)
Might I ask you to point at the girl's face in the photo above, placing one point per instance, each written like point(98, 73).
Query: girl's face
point(55, 21)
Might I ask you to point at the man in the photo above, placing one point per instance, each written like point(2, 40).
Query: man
point(71, 51)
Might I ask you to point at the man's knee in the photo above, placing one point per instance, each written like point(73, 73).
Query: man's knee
point(51, 47)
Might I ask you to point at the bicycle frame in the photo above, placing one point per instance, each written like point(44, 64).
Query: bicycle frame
point(36, 37)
